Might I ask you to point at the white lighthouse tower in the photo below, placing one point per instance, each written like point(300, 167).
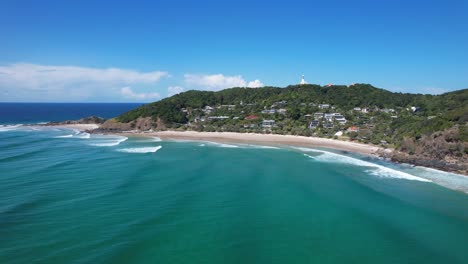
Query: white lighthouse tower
point(302, 80)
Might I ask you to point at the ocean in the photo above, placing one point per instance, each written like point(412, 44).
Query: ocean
point(71, 197)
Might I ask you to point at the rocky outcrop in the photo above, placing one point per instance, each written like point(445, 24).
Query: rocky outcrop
point(86, 120)
point(459, 165)
point(114, 126)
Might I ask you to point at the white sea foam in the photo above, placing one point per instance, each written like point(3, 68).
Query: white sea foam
point(110, 142)
point(201, 145)
point(83, 135)
point(4, 128)
point(140, 150)
point(156, 139)
point(64, 136)
point(221, 145)
point(449, 180)
point(374, 169)
point(263, 147)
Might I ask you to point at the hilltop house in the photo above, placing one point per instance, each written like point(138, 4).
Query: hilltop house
point(282, 111)
point(318, 116)
point(280, 103)
point(328, 117)
point(208, 109)
point(218, 117)
point(323, 106)
point(269, 111)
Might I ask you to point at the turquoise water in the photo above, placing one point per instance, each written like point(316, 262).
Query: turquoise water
point(69, 197)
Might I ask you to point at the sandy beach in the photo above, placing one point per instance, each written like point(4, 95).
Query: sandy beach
point(264, 139)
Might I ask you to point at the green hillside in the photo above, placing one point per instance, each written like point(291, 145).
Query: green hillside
point(401, 120)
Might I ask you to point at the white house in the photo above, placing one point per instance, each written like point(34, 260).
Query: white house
point(314, 124)
point(269, 111)
point(268, 123)
point(328, 117)
point(324, 106)
point(318, 115)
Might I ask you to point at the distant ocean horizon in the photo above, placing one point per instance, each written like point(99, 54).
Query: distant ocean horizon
point(71, 197)
point(29, 113)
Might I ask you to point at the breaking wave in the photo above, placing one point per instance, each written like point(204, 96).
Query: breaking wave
point(64, 136)
point(83, 135)
point(140, 150)
point(110, 142)
point(4, 128)
point(222, 145)
point(374, 169)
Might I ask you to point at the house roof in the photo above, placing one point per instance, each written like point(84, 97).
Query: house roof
point(250, 117)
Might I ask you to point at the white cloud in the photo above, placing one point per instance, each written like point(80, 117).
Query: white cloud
point(173, 90)
point(61, 82)
point(255, 84)
point(219, 81)
point(130, 94)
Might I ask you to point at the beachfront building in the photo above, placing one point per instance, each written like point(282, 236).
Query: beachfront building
point(328, 125)
point(314, 124)
point(352, 129)
point(268, 123)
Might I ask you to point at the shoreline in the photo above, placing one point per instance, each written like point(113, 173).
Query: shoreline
point(265, 139)
point(258, 139)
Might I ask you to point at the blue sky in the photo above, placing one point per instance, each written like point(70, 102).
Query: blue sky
point(119, 51)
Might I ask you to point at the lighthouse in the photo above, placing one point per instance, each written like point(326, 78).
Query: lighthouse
point(302, 80)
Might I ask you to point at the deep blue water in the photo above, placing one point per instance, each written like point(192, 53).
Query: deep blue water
point(27, 113)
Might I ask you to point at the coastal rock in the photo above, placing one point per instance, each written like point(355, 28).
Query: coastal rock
point(138, 125)
point(420, 160)
point(85, 120)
